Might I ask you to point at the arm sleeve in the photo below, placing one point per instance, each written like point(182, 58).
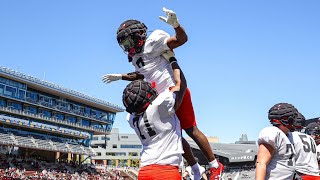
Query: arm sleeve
point(268, 136)
point(157, 42)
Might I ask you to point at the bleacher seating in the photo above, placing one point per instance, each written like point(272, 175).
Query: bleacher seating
point(40, 142)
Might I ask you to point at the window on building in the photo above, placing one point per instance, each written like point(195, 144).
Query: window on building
point(110, 154)
point(71, 119)
point(22, 94)
point(130, 146)
point(87, 111)
point(98, 153)
point(32, 96)
point(60, 116)
point(44, 112)
point(133, 154)
point(124, 137)
point(47, 113)
point(85, 122)
point(95, 138)
point(15, 105)
point(105, 138)
point(2, 102)
point(98, 114)
point(10, 91)
point(31, 109)
point(114, 146)
point(1, 89)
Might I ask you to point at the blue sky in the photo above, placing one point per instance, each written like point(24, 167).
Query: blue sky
point(242, 56)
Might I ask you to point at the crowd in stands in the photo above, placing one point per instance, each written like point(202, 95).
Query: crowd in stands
point(16, 167)
point(239, 173)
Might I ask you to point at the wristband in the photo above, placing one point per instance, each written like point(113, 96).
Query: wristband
point(172, 59)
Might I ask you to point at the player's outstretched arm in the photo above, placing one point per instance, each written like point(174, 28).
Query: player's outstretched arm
point(108, 78)
point(132, 76)
point(181, 36)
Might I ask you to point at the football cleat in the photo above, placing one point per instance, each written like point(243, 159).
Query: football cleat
point(215, 173)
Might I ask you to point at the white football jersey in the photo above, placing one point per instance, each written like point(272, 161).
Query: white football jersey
point(159, 131)
point(282, 163)
point(306, 154)
point(151, 64)
point(202, 170)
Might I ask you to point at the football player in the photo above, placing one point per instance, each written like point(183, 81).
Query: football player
point(306, 155)
point(313, 129)
point(275, 159)
point(153, 118)
point(145, 54)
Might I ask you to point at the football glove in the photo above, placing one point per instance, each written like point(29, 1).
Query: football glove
point(108, 78)
point(171, 18)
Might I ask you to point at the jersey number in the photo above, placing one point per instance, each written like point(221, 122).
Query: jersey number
point(289, 149)
point(307, 145)
point(140, 62)
point(150, 131)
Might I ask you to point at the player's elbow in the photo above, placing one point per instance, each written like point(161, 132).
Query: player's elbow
point(183, 39)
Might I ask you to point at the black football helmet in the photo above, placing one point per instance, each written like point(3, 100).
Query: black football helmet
point(137, 96)
point(313, 129)
point(131, 36)
point(283, 113)
point(299, 122)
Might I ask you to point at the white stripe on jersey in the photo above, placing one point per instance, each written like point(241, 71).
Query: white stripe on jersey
point(159, 131)
point(152, 65)
point(281, 165)
point(306, 154)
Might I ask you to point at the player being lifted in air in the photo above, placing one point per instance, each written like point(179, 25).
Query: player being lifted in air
point(153, 118)
point(145, 54)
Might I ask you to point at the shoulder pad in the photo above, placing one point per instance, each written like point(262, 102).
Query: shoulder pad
point(156, 41)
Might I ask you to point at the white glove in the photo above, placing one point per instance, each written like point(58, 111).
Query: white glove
point(108, 78)
point(168, 54)
point(196, 171)
point(171, 18)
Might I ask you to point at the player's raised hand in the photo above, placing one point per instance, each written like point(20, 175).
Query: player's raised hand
point(171, 18)
point(108, 78)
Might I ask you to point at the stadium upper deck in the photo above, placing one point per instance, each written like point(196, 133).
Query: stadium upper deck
point(229, 154)
point(37, 114)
